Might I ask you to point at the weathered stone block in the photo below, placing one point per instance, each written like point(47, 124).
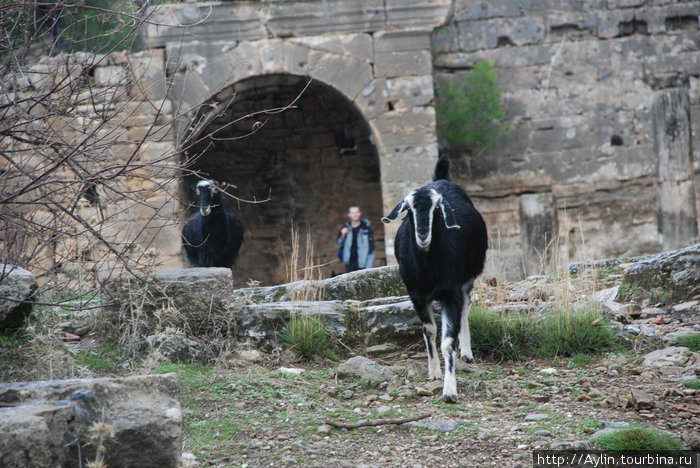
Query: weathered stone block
point(394, 323)
point(674, 274)
point(468, 10)
point(359, 46)
point(48, 423)
point(245, 22)
point(445, 39)
point(347, 75)
point(413, 127)
point(410, 63)
point(265, 321)
point(410, 91)
point(110, 76)
point(357, 285)
point(198, 299)
point(148, 68)
point(300, 18)
point(296, 58)
point(271, 56)
point(500, 32)
point(416, 14)
point(401, 41)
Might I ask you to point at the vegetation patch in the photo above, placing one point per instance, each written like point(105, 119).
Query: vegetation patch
point(307, 336)
point(639, 438)
point(512, 336)
point(691, 342)
point(692, 383)
point(106, 358)
point(470, 115)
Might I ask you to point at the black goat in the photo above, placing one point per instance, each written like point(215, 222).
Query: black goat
point(212, 236)
point(441, 247)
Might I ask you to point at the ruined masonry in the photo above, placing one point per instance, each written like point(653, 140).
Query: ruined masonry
point(583, 86)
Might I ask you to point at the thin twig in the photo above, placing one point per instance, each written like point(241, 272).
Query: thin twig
point(377, 422)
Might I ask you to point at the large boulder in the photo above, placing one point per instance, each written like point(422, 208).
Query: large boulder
point(50, 423)
point(17, 286)
point(197, 299)
point(672, 276)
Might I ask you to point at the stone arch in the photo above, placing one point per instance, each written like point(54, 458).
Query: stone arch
point(312, 161)
point(384, 77)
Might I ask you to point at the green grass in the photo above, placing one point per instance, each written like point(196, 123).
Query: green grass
point(511, 336)
point(225, 409)
point(691, 342)
point(107, 359)
point(307, 336)
point(692, 383)
point(639, 438)
point(569, 333)
point(579, 360)
point(11, 340)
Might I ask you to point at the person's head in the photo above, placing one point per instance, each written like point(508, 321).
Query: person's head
point(354, 213)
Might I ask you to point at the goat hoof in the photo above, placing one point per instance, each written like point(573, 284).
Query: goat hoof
point(449, 398)
point(467, 359)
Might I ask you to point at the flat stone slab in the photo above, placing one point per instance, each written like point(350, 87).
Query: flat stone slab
point(362, 285)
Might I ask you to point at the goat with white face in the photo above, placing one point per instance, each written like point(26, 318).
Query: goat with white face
point(441, 247)
point(212, 236)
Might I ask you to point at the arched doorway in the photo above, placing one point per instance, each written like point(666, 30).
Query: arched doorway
point(309, 162)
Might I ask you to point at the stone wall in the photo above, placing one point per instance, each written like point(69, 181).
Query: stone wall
point(579, 79)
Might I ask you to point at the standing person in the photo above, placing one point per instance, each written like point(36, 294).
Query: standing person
point(355, 242)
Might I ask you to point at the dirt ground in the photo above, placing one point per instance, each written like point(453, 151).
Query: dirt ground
point(505, 411)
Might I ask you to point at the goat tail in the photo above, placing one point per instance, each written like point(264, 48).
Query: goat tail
point(442, 169)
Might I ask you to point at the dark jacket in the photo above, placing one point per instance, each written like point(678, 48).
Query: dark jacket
point(365, 245)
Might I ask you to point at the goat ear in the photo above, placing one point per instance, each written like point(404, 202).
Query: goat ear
point(448, 215)
point(395, 212)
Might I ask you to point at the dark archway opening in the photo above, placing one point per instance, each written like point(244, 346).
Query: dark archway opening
point(312, 162)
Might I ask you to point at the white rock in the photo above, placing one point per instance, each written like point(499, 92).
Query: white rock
point(290, 370)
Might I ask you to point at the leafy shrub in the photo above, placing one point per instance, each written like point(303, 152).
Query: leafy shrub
point(470, 115)
point(307, 336)
point(691, 342)
point(639, 438)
